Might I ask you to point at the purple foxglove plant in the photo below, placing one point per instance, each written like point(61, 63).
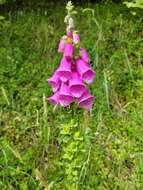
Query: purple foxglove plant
point(68, 80)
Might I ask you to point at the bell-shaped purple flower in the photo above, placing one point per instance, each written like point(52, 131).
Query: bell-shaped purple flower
point(65, 97)
point(64, 70)
point(62, 45)
point(85, 71)
point(76, 86)
point(84, 55)
point(69, 34)
point(54, 99)
point(54, 82)
point(68, 50)
point(76, 38)
point(86, 101)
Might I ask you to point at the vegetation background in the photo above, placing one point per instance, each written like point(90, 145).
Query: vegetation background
point(70, 149)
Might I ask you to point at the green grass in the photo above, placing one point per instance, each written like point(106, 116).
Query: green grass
point(36, 143)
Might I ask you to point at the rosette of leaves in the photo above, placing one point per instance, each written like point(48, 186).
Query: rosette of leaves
point(73, 154)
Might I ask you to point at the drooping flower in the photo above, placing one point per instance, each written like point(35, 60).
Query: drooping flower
point(86, 101)
point(54, 81)
point(65, 97)
point(84, 55)
point(85, 71)
point(69, 34)
point(64, 70)
point(76, 85)
point(62, 44)
point(54, 99)
point(68, 50)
